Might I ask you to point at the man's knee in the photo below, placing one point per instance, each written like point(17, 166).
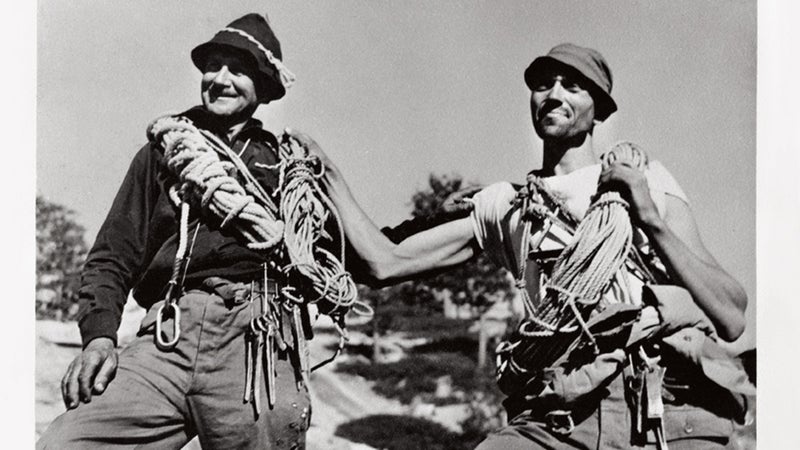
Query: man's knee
point(59, 435)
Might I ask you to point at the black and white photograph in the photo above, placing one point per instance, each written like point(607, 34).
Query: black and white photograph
point(408, 225)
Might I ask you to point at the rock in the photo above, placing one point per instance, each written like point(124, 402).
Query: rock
point(444, 387)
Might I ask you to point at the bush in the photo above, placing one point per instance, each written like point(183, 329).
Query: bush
point(60, 252)
point(416, 375)
point(463, 344)
point(390, 432)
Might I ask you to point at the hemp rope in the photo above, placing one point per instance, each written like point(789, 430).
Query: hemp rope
point(583, 271)
point(305, 207)
point(211, 176)
point(210, 183)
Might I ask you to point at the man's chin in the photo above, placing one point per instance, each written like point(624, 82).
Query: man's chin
point(221, 111)
point(550, 131)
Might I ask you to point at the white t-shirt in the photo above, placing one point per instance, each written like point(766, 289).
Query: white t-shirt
point(498, 230)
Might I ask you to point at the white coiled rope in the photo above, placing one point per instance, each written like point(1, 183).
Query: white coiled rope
point(213, 177)
point(210, 182)
point(305, 208)
point(584, 270)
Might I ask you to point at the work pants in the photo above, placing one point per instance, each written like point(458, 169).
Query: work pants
point(162, 399)
point(607, 425)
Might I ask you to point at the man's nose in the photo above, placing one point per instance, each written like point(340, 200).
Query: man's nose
point(556, 91)
point(223, 76)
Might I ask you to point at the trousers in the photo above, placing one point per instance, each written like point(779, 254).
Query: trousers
point(607, 425)
point(162, 399)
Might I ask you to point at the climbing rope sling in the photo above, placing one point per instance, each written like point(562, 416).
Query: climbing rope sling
point(211, 177)
point(564, 328)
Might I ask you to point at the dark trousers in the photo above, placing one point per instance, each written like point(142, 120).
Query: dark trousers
point(162, 399)
point(686, 427)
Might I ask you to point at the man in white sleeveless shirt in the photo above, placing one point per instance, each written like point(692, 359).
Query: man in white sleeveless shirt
point(570, 95)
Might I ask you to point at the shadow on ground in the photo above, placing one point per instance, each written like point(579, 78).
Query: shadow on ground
point(395, 432)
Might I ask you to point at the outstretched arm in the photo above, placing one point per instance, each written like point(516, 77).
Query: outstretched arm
point(431, 250)
point(678, 243)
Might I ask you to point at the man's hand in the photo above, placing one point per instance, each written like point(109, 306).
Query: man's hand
point(631, 183)
point(90, 372)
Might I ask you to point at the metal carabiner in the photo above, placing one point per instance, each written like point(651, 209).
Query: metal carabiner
point(176, 326)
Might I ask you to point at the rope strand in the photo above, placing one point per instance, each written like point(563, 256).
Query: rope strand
point(213, 177)
point(583, 271)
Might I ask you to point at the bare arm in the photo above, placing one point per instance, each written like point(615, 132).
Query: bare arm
point(440, 247)
point(679, 246)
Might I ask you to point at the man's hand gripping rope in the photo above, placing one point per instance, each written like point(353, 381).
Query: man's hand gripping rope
point(582, 272)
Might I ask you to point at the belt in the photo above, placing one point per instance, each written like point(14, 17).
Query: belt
point(556, 418)
point(238, 292)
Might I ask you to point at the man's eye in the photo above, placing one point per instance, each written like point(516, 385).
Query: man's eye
point(544, 85)
point(571, 85)
point(213, 67)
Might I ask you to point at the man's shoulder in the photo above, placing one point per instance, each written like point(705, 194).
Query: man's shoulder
point(255, 131)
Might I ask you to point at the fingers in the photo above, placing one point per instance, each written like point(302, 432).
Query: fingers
point(89, 367)
point(106, 373)
point(69, 384)
point(301, 137)
point(620, 175)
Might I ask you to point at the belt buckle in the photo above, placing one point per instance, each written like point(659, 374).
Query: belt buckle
point(560, 422)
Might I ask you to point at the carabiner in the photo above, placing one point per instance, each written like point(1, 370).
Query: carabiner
point(176, 327)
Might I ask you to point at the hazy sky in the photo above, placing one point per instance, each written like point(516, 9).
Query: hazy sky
point(396, 90)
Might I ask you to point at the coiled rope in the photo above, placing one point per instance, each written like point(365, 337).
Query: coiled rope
point(305, 208)
point(212, 177)
point(208, 181)
point(582, 272)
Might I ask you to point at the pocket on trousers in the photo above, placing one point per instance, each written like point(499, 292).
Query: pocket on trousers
point(694, 422)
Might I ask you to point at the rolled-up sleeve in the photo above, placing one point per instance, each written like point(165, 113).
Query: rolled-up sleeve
point(495, 224)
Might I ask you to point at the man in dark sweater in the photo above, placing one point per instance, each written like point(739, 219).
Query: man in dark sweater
point(162, 397)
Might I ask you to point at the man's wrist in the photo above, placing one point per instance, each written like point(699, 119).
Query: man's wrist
point(101, 341)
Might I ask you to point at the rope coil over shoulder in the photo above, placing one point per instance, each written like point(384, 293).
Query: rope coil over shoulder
point(582, 272)
point(212, 177)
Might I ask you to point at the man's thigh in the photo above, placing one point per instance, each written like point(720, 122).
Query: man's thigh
point(222, 418)
point(606, 429)
point(142, 407)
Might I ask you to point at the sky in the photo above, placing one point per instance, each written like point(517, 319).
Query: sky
point(394, 91)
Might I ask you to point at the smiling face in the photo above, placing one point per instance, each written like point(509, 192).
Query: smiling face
point(228, 88)
point(561, 105)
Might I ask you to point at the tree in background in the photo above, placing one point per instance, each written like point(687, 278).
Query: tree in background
point(407, 307)
point(412, 307)
point(60, 253)
point(478, 283)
